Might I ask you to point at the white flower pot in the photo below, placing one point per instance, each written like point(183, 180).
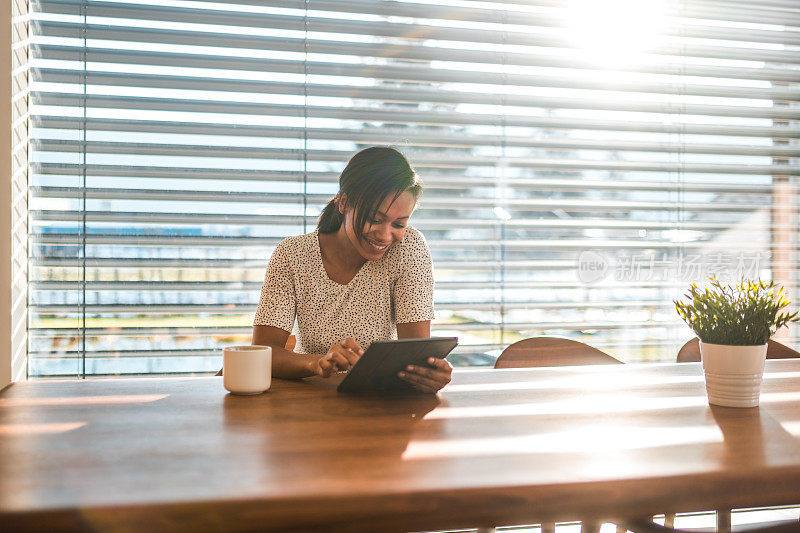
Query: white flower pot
point(733, 373)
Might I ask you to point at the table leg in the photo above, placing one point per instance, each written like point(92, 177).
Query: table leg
point(590, 527)
point(723, 520)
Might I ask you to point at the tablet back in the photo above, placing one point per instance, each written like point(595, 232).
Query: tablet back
point(377, 368)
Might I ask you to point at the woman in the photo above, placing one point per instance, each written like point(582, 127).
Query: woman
point(363, 275)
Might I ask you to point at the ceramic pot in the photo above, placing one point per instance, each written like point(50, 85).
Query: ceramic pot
point(733, 373)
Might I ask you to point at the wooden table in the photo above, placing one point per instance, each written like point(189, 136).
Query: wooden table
point(495, 447)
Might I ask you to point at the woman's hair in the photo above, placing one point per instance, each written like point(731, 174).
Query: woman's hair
point(368, 179)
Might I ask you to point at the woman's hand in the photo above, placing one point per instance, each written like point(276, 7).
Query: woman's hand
point(427, 379)
point(340, 357)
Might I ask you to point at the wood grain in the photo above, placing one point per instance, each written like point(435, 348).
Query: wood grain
point(495, 447)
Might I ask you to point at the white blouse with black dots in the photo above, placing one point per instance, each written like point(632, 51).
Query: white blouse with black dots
point(398, 288)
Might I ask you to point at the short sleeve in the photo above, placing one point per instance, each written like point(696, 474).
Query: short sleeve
point(277, 306)
point(413, 290)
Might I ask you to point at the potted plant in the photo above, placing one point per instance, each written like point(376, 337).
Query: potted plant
point(734, 323)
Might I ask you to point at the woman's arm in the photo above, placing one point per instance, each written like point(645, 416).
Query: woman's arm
point(413, 298)
point(291, 365)
point(285, 363)
point(414, 330)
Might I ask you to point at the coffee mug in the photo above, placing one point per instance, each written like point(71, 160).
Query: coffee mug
point(247, 369)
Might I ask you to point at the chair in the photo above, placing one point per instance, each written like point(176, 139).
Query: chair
point(690, 353)
point(553, 351)
point(290, 344)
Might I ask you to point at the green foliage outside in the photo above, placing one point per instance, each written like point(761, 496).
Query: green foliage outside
point(745, 314)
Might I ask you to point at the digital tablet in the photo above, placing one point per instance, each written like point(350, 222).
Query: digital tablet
point(377, 368)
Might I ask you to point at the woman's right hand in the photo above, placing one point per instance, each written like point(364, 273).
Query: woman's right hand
point(340, 357)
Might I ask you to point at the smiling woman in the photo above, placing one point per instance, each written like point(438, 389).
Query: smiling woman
point(364, 275)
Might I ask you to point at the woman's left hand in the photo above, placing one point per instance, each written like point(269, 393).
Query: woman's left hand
point(428, 379)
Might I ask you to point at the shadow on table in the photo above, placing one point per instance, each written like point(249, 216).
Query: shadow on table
point(309, 447)
point(310, 415)
point(751, 433)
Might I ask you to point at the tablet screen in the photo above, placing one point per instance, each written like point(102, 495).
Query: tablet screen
point(377, 368)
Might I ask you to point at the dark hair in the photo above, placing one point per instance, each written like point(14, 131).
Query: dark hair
point(369, 177)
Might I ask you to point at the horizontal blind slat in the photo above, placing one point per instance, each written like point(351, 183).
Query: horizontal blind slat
point(432, 179)
point(469, 12)
point(248, 286)
point(438, 96)
point(382, 29)
point(451, 162)
point(429, 202)
point(451, 244)
point(228, 43)
point(487, 264)
point(408, 117)
point(416, 73)
point(423, 224)
point(388, 136)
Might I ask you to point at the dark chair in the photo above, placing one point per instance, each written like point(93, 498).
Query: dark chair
point(553, 351)
point(690, 352)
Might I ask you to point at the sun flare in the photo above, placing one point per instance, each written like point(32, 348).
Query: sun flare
point(615, 33)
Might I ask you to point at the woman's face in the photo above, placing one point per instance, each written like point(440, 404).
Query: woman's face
point(387, 228)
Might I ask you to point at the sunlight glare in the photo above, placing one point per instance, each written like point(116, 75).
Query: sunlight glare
point(597, 439)
point(82, 400)
point(775, 397)
point(39, 429)
point(607, 378)
point(792, 427)
point(582, 405)
point(614, 33)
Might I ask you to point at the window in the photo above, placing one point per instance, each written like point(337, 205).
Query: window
point(583, 163)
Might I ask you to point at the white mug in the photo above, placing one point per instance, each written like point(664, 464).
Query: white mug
point(247, 369)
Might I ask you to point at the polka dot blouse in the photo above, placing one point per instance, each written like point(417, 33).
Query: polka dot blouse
point(398, 288)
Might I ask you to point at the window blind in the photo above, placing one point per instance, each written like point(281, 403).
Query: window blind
point(583, 163)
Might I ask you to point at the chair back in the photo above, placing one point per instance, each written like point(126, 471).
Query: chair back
point(552, 351)
point(690, 352)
